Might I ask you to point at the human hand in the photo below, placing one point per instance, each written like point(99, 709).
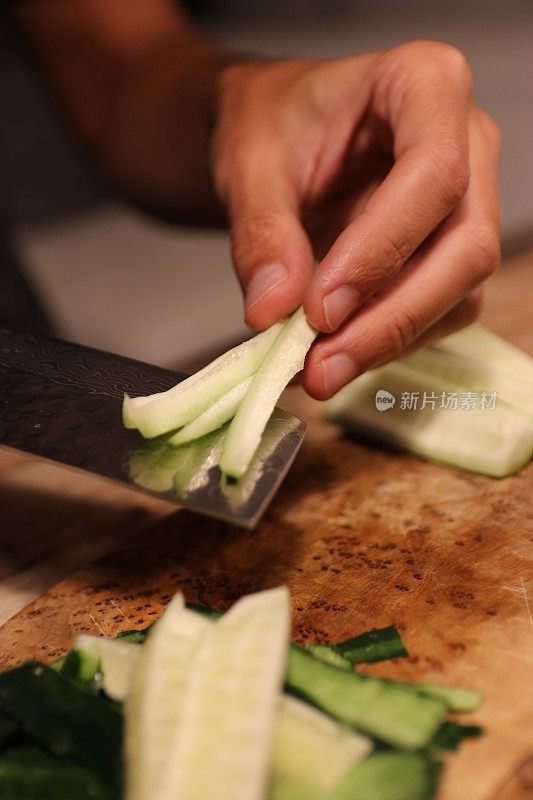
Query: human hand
point(381, 168)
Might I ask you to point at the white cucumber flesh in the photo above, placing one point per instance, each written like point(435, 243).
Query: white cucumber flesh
point(118, 660)
point(475, 341)
point(162, 412)
point(311, 748)
point(154, 704)
point(284, 360)
point(494, 442)
point(469, 373)
point(214, 416)
point(224, 740)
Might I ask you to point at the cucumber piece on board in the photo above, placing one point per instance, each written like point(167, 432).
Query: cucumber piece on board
point(329, 655)
point(393, 714)
point(377, 645)
point(228, 714)
point(80, 668)
point(451, 734)
point(162, 412)
point(477, 375)
point(30, 774)
point(390, 776)
point(117, 660)
point(8, 729)
point(311, 749)
point(64, 719)
point(283, 361)
point(477, 342)
point(456, 699)
point(154, 704)
point(495, 442)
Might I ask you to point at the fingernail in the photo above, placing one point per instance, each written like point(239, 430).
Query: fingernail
point(338, 305)
point(337, 370)
point(264, 280)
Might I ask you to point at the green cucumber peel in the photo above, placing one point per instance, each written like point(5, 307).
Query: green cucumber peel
point(380, 644)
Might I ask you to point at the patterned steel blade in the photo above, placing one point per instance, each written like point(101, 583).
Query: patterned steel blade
point(63, 402)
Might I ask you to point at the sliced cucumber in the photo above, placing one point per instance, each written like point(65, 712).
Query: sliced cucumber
point(154, 705)
point(283, 361)
point(494, 442)
point(391, 713)
point(8, 729)
point(117, 661)
point(158, 467)
point(470, 373)
point(159, 413)
point(451, 734)
point(29, 774)
point(64, 719)
point(377, 645)
point(456, 699)
point(224, 738)
point(291, 789)
point(479, 343)
point(329, 655)
point(81, 669)
point(214, 415)
point(390, 776)
point(312, 749)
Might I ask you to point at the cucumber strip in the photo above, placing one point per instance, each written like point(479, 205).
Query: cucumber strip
point(28, 774)
point(206, 611)
point(158, 467)
point(479, 343)
point(134, 637)
point(310, 748)
point(81, 669)
point(377, 645)
point(165, 411)
point(329, 655)
point(224, 736)
point(390, 776)
point(456, 699)
point(291, 789)
point(391, 713)
point(470, 373)
point(116, 659)
point(494, 442)
point(214, 415)
point(153, 706)
point(8, 729)
point(64, 719)
point(283, 361)
point(451, 734)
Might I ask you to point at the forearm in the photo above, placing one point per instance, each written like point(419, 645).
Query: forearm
point(137, 84)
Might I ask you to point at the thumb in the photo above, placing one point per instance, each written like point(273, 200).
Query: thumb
point(271, 252)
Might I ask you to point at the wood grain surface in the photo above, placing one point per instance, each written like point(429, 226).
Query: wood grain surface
point(364, 538)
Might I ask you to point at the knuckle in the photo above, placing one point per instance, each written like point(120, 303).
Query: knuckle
point(447, 61)
point(453, 170)
point(400, 332)
point(486, 253)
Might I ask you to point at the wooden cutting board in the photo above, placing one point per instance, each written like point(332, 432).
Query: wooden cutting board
point(364, 538)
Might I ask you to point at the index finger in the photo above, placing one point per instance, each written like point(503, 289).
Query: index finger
point(423, 93)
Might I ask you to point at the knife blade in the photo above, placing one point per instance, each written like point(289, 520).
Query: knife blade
point(62, 402)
